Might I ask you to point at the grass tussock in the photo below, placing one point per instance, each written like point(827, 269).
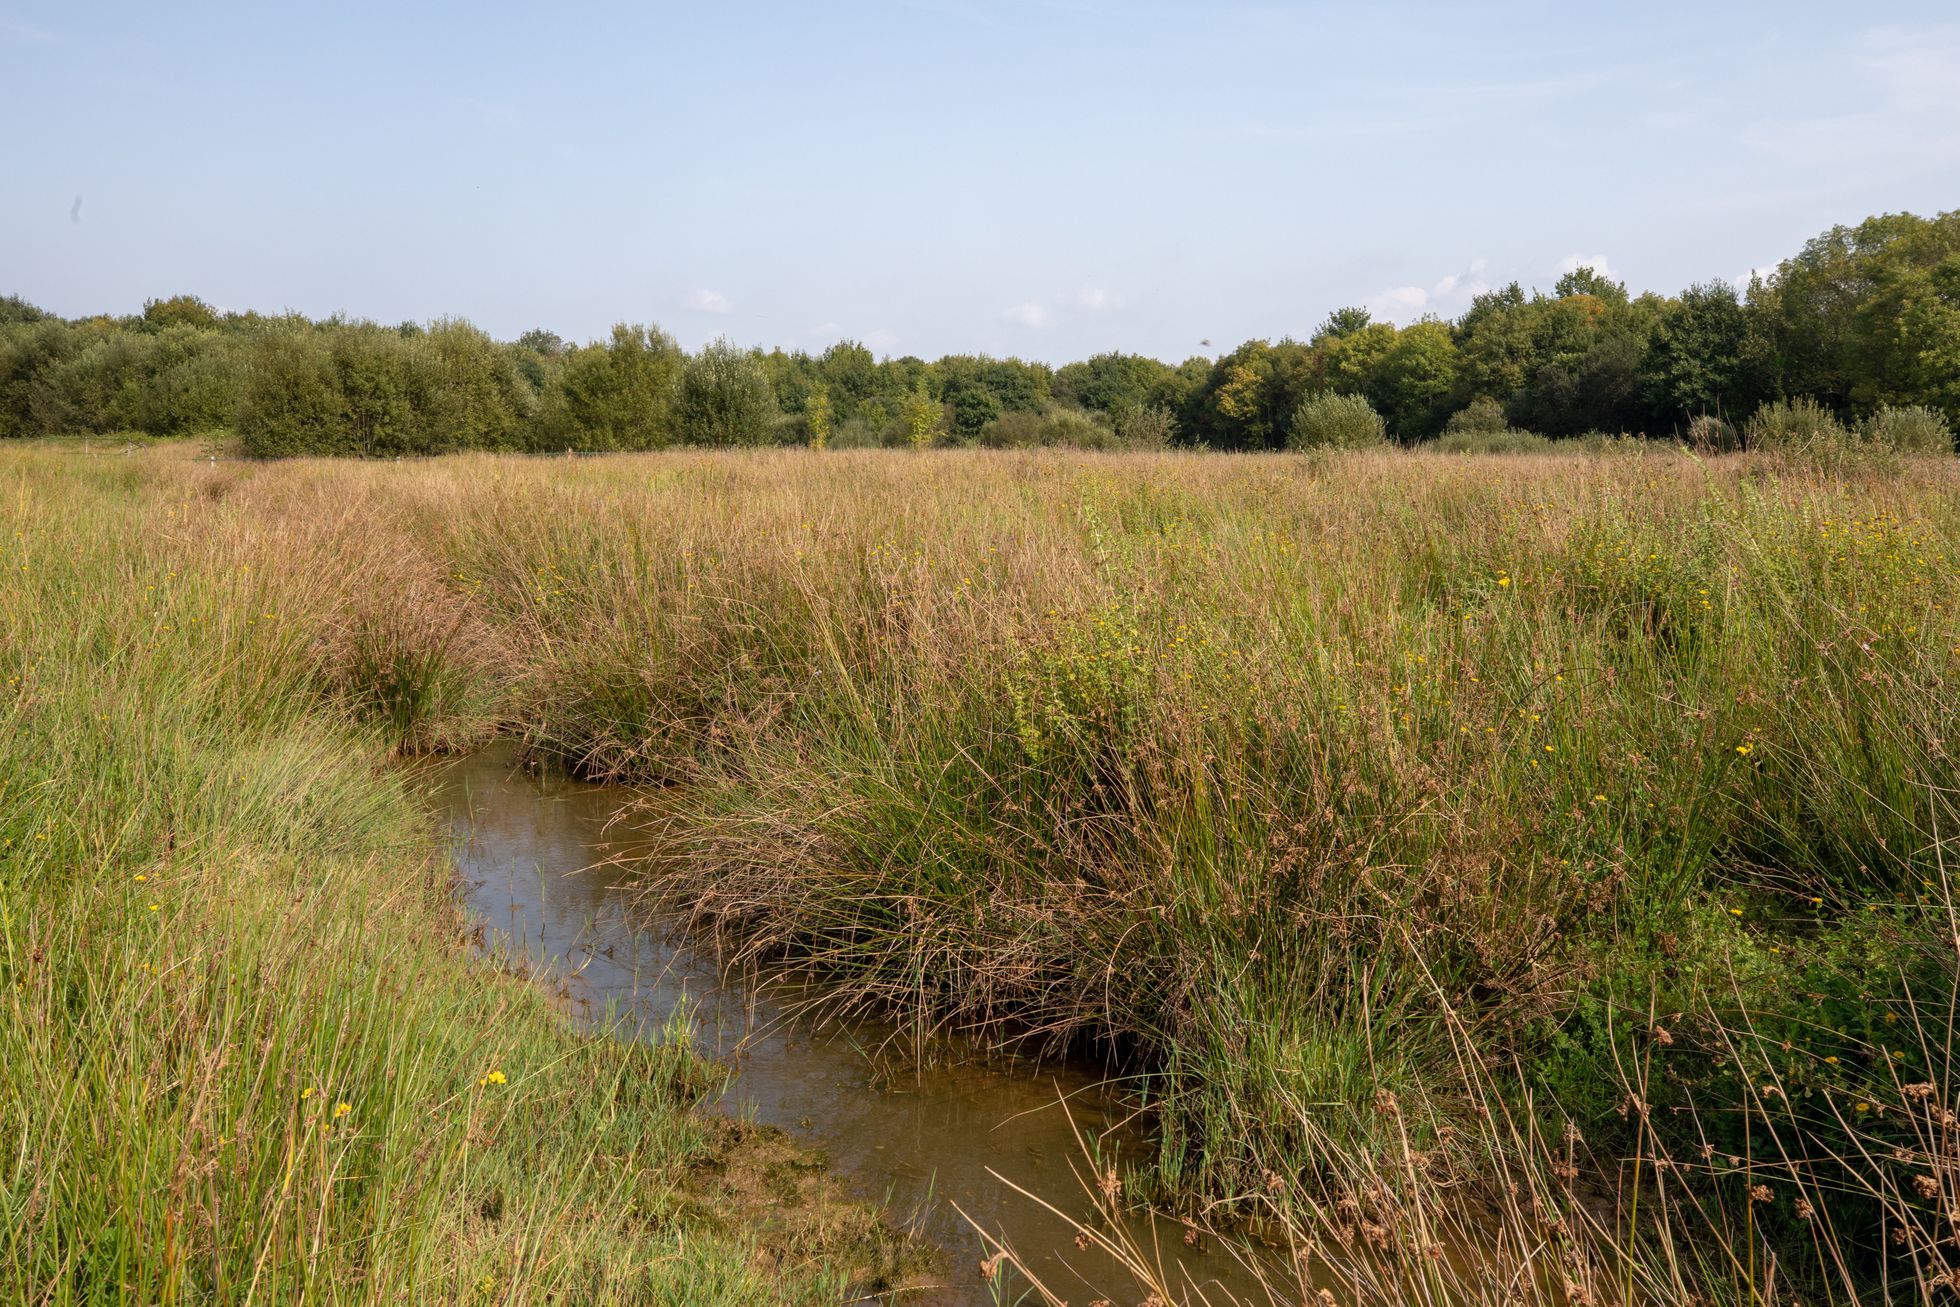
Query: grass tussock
point(1451, 850)
point(248, 1055)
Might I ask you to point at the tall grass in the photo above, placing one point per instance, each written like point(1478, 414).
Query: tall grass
point(1433, 843)
point(247, 1055)
point(1291, 785)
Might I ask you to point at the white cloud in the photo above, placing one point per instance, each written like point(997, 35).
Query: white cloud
point(1399, 303)
point(1029, 313)
point(709, 301)
point(1040, 314)
point(1742, 283)
point(1597, 262)
point(1445, 298)
point(881, 340)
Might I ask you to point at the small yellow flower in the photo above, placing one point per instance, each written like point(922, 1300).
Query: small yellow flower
point(494, 1078)
point(1735, 912)
point(341, 1109)
point(140, 878)
point(1503, 580)
point(1831, 1060)
point(1745, 748)
point(307, 1093)
point(1864, 1107)
point(156, 907)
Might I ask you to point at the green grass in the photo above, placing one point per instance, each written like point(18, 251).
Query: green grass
point(248, 1055)
point(1422, 835)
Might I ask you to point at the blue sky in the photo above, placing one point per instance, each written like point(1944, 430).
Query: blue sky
point(1048, 178)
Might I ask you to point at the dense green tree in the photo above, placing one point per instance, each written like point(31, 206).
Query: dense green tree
point(15, 311)
point(614, 396)
point(970, 403)
point(1863, 319)
point(1695, 361)
point(923, 416)
point(290, 403)
point(1342, 323)
point(30, 351)
point(468, 395)
point(819, 419)
point(1495, 351)
point(1845, 321)
point(1109, 383)
point(725, 397)
point(1590, 282)
point(178, 311)
point(851, 373)
point(1248, 399)
point(374, 370)
point(190, 382)
point(1410, 386)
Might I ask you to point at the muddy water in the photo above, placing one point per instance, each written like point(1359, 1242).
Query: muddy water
point(925, 1137)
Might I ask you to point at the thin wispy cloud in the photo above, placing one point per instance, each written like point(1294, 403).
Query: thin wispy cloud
point(27, 32)
point(1905, 83)
point(1444, 298)
point(1040, 314)
point(709, 301)
point(1032, 314)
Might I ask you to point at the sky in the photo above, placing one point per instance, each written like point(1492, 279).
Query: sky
point(1041, 178)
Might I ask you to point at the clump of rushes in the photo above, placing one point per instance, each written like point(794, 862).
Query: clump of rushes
point(247, 1053)
point(1285, 791)
point(1405, 828)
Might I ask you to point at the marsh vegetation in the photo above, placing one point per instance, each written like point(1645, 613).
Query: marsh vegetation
point(1546, 855)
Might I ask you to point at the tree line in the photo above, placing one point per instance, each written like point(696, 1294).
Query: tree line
point(1862, 323)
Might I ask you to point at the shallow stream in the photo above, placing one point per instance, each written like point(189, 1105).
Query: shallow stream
point(926, 1137)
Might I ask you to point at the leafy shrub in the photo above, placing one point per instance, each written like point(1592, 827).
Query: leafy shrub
point(1480, 415)
point(618, 395)
point(374, 368)
point(192, 382)
point(857, 433)
point(1071, 427)
point(1331, 421)
point(28, 352)
point(1708, 434)
point(1796, 426)
point(725, 398)
point(1913, 429)
point(469, 394)
point(1146, 426)
point(291, 402)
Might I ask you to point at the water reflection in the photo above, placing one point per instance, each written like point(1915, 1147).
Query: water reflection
point(548, 879)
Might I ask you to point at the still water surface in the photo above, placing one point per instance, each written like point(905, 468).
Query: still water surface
point(925, 1137)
